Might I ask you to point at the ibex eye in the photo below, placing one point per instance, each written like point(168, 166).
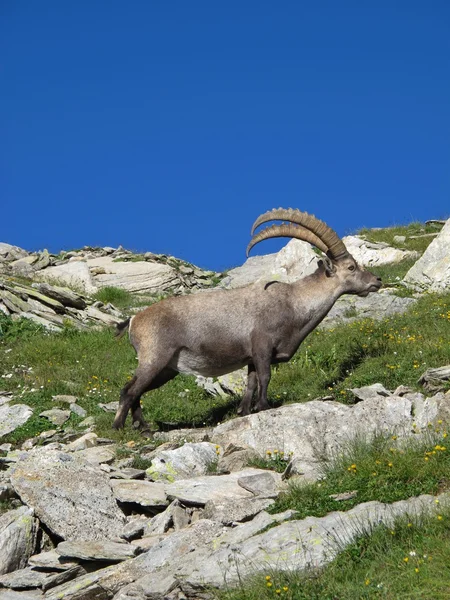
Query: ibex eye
point(351, 268)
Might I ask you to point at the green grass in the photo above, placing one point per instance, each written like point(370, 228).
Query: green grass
point(392, 275)
point(412, 229)
point(408, 561)
point(117, 296)
point(380, 469)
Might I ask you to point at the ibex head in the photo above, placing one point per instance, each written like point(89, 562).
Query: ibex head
point(336, 262)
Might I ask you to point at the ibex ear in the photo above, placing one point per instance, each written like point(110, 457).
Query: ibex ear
point(327, 264)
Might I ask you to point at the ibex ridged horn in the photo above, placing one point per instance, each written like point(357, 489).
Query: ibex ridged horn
point(335, 247)
point(287, 230)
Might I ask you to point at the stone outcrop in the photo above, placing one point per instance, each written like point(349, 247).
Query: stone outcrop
point(297, 259)
point(375, 254)
point(54, 307)
point(71, 496)
point(90, 269)
point(183, 538)
point(432, 270)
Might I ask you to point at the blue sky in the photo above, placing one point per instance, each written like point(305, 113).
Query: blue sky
point(170, 126)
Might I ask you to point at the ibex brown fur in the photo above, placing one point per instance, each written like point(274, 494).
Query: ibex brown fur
point(258, 325)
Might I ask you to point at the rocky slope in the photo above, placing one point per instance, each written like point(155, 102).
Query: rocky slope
point(86, 525)
point(83, 523)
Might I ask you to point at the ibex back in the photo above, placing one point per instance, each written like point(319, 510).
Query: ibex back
point(258, 325)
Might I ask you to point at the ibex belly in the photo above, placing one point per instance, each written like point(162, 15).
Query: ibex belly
point(208, 366)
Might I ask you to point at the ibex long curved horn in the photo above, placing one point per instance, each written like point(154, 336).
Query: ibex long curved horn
point(287, 230)
point(335, 246)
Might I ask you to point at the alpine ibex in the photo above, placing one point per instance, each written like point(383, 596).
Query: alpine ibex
point(258, 325)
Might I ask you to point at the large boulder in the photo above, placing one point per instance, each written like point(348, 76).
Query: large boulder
point(12, 417)
point(432, 270)
point(311, 431)
point(296, 260)
point(133, 276)
point(371, 254)
point(71, 496)
point(18, 530)
point(74, 274)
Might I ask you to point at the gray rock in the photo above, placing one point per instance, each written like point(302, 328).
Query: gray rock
point(97, 455)
point(314, 430)
point(10, 253)
point(236, 458)
point(12, 417)
point(109, 406)
point(134, 527)
point(435, 379)
point(432, 270)
point(399, 239)
point(297, 259)
point(198, 490)
point(89, 440)
point(64, 295)
point(74, 274)
point(263, 485)
point(145, 493)
point(80, 507)
point(369, 254)
point(65, 398)
point(139, 276)
point(51, 561)
point(23, 579)
point(375, 306)
point(56, 415)
point(104, 550)
point(6, 594)
point(78, 410)
point(228, 511)
point(18, 530)
point(190, 460)
point(370, 391)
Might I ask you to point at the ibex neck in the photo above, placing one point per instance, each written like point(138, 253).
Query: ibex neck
point(315, 295)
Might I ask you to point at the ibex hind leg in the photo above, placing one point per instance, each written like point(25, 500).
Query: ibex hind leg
point(147, 377)
point(246, 403)
point(136, 410)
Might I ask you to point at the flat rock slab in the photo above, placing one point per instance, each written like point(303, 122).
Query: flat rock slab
point(12, 417)
point(229, 511)
point(198, 490)
point(24, 579)
point(312, 430)
point(134, 276)
point(190, 460)
point(145, 493)
point(265, 485)
point(18, 531)
point(71, 496)
point(13, 595)
point(51, 561)
point(98, 454)
point(56, 415)
point(103, 551)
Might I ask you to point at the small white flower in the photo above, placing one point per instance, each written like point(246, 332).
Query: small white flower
point(412, 553)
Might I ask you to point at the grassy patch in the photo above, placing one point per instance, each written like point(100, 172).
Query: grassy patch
point(387, 234)
point(117, 296)
point(409, 561)
point(392, 275)
point(382, 469)
point(275, 460)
